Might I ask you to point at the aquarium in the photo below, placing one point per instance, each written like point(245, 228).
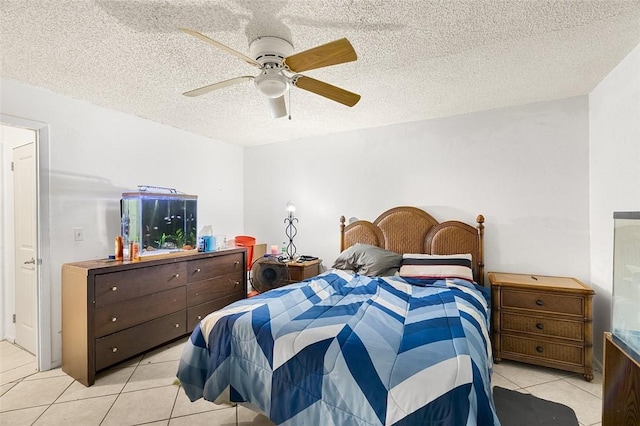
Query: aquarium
point(626, 279)
point(159, 222)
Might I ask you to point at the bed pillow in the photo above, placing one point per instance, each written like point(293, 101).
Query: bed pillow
point(437, 266)
point(369, 260)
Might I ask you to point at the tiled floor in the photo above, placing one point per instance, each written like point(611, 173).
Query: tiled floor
point(142, 391)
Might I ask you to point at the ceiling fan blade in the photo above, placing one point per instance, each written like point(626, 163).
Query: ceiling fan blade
point(216, 86)
point(277, 107)
point(336, 52)
point(327, 90)
point(221, 46)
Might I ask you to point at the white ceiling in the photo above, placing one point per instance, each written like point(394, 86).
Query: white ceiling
point(416, 59)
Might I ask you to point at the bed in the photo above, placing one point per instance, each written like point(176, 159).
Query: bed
point(395, 333)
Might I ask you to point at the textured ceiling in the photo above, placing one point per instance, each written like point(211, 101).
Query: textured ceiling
point(416, 59)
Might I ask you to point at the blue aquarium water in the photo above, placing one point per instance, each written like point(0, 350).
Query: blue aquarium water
point(159, 222)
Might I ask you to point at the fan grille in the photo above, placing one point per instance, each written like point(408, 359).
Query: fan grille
point(268, 273)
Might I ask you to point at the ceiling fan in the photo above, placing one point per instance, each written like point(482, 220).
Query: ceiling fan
point(279, 69)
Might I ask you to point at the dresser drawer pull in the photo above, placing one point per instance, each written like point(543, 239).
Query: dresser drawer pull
point(114, 288)
point(236, 263)
point(199, 317)
point(539, 326)
point(114, 350)
point(539, 349)
point(196, 271)
point(177, 325)
point(114, 319)
point(235, 283)
point(176, 275)
point(539, 302)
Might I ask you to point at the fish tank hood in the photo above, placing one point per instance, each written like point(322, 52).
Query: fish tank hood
point(159, 221)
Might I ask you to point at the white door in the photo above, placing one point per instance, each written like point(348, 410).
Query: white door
point(25, 222)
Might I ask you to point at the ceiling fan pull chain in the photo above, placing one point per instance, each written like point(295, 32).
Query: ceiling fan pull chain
point(289, 103)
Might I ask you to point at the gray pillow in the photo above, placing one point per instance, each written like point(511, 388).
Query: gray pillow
point(369, 260)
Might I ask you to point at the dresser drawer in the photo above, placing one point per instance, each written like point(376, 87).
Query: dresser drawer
point(132, 341)
point(196, 313)
point(573, 330)
point(214, 288)
point(204, 269)
point(543, 302)
point(543, 349)
point(118, 316)
point(117, 286)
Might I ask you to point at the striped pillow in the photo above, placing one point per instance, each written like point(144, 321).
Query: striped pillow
point(437, 266)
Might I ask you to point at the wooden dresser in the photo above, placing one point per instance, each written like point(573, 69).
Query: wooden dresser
point(542, 320)
point(112, 310)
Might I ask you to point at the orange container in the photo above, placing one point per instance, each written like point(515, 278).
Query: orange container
point(248, 242)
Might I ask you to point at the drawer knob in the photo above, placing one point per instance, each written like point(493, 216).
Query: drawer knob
point(199, 317)
point(539, 302)
point(236, 283)
point(539, 326)
point(177, 325)
point(197, 270)
point(114, 288)
point(114, 350)
point(176, 275)
point(539, 349)
point(114, 319)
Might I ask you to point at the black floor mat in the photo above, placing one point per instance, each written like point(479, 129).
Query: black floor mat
point(519, 409)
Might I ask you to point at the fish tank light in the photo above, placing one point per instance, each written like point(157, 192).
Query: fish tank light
point(159, 219)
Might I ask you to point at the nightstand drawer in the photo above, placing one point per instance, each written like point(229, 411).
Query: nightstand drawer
point(543, 302)
point(301, 271)
point(542, 349)
point(573, 330)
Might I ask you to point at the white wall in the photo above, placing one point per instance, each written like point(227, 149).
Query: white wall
point(95, 154)
point(524, 168)
point(10, 138)
point(614, 166)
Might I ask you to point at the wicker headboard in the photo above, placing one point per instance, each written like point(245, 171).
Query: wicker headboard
point(411, 230)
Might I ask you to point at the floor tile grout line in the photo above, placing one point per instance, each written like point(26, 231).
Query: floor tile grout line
point(174, 402)
point(17, 366)
point(114, 402)
point(578, 387)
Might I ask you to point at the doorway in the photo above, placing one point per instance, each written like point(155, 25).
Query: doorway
point(25, 245)
point(31, 328)
point(19, 236)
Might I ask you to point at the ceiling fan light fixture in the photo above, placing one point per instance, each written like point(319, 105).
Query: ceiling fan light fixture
point(272, 84)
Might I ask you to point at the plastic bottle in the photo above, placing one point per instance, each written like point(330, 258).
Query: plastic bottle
point(118, 251)
point(206, 242)
point(284, 247)
point(135, 252)
point(126, 253)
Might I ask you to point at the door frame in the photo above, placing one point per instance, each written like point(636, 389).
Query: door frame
point(43, 240)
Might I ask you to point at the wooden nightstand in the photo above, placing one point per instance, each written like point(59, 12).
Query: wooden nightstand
point(542, 320)
point(301, 271)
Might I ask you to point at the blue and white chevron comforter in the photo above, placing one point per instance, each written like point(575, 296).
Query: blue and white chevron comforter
point(343, 349)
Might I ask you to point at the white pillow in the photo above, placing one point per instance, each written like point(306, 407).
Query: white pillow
point(437, 266)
